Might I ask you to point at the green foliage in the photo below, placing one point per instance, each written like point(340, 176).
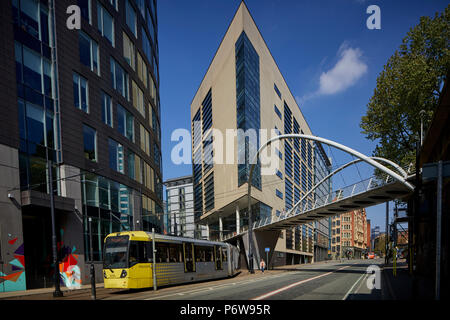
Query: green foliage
point(410, 82)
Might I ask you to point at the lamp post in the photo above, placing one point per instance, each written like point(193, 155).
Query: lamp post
point(93, 290)
point(57, 292)
point(250, 227)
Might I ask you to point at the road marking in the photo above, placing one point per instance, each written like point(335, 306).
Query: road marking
point(350, 290)
point(212, 288)
point(269, 294)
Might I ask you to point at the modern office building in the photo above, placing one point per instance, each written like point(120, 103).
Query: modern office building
point(180, 209)
point(244, 89)
point(322, 168)
point(349, 234)
point(85, 101)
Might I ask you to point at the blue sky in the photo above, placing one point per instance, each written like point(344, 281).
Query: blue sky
point(311, 41)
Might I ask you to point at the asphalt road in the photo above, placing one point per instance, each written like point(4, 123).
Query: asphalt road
point(345, 280)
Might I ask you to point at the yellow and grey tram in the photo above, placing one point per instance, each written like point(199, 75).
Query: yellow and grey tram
point(128, 260)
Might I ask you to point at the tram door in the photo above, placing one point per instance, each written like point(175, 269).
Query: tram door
point(189, 261)
point(218, 257)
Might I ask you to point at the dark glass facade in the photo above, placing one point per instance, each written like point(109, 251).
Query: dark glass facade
point(202, 141)
point(248, 107)
point(81, 103)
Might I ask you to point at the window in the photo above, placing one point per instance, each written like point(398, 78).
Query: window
point(276, 90)
point(107, 109)
point(36, 124)
point(33, 70)
point(157, 156)
point(90, 143)
point(85, 6)
point(151, 28)
point(119, 79)
point(131, 165)
point(138, 168)
point(279, 174)
point(204, 254)
point(116, 156)
point(277, 111)
point(148, 176)
point(89, 52)
point(125, 122)
point(141, 5)
point(105, 23)
point(130, 16)
point(279, 194)
point(162, 252)
point(138, 98)
point(142, 70)
point(146, 45)
point(145, 140)
point(80, 93)
point(128, 50)
point(114, 3)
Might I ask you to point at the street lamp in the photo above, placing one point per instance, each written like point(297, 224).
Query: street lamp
point(93, 290)
point(57, 292)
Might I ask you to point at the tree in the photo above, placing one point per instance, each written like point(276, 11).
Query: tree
point(410, 82)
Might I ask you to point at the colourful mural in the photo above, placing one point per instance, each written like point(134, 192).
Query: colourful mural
point(15, 281)
point(69, 271)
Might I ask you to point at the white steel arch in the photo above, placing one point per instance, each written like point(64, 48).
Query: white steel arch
point(403, 172)
point(339, 146)
point(357, 154)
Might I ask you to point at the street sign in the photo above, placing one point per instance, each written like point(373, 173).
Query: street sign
point(267, 249)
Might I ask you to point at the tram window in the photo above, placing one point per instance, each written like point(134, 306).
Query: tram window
point(200, 253)
point(209, 254)
point(133, 253)
point(149, 249)
point(218, 257)
point(138, 253)
point(224, 254)
point(162, 252)
point(189, 262)
point(175, 252)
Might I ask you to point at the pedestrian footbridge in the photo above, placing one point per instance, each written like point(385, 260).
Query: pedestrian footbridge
point(359, 195)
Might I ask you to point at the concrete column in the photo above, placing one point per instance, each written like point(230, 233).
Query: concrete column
point(207, 231)
point(220, 228)
point(238, 220)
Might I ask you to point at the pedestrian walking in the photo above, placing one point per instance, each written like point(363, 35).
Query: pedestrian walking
point(262, 265)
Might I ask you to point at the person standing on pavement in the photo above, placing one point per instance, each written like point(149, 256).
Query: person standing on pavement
point(262, 265)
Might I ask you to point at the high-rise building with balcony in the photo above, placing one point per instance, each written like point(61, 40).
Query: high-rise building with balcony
point(243, 89)
point(85, 101)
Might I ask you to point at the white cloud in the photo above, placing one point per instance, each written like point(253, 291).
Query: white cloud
point(347, 71)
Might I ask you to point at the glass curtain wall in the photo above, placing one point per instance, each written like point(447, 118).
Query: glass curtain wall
point(110, 205)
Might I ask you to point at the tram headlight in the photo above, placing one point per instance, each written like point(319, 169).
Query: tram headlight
point(123, 274)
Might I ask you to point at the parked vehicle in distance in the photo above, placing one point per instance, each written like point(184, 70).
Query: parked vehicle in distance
point(371, 255)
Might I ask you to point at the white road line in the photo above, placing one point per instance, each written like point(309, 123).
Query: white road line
point(350, 290)
point(269, 294)
point(212, 288)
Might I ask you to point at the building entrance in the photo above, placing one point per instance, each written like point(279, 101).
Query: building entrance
point(37, 234)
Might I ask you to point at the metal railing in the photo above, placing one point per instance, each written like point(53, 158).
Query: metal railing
point(337, 195)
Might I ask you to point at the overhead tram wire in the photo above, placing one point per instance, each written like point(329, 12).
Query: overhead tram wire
point(33, 186)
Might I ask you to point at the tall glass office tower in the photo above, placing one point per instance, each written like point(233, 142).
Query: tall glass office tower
point(86, 102)
point(244, 90)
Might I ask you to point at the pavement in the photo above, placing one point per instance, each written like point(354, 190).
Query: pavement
point(397, 286)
